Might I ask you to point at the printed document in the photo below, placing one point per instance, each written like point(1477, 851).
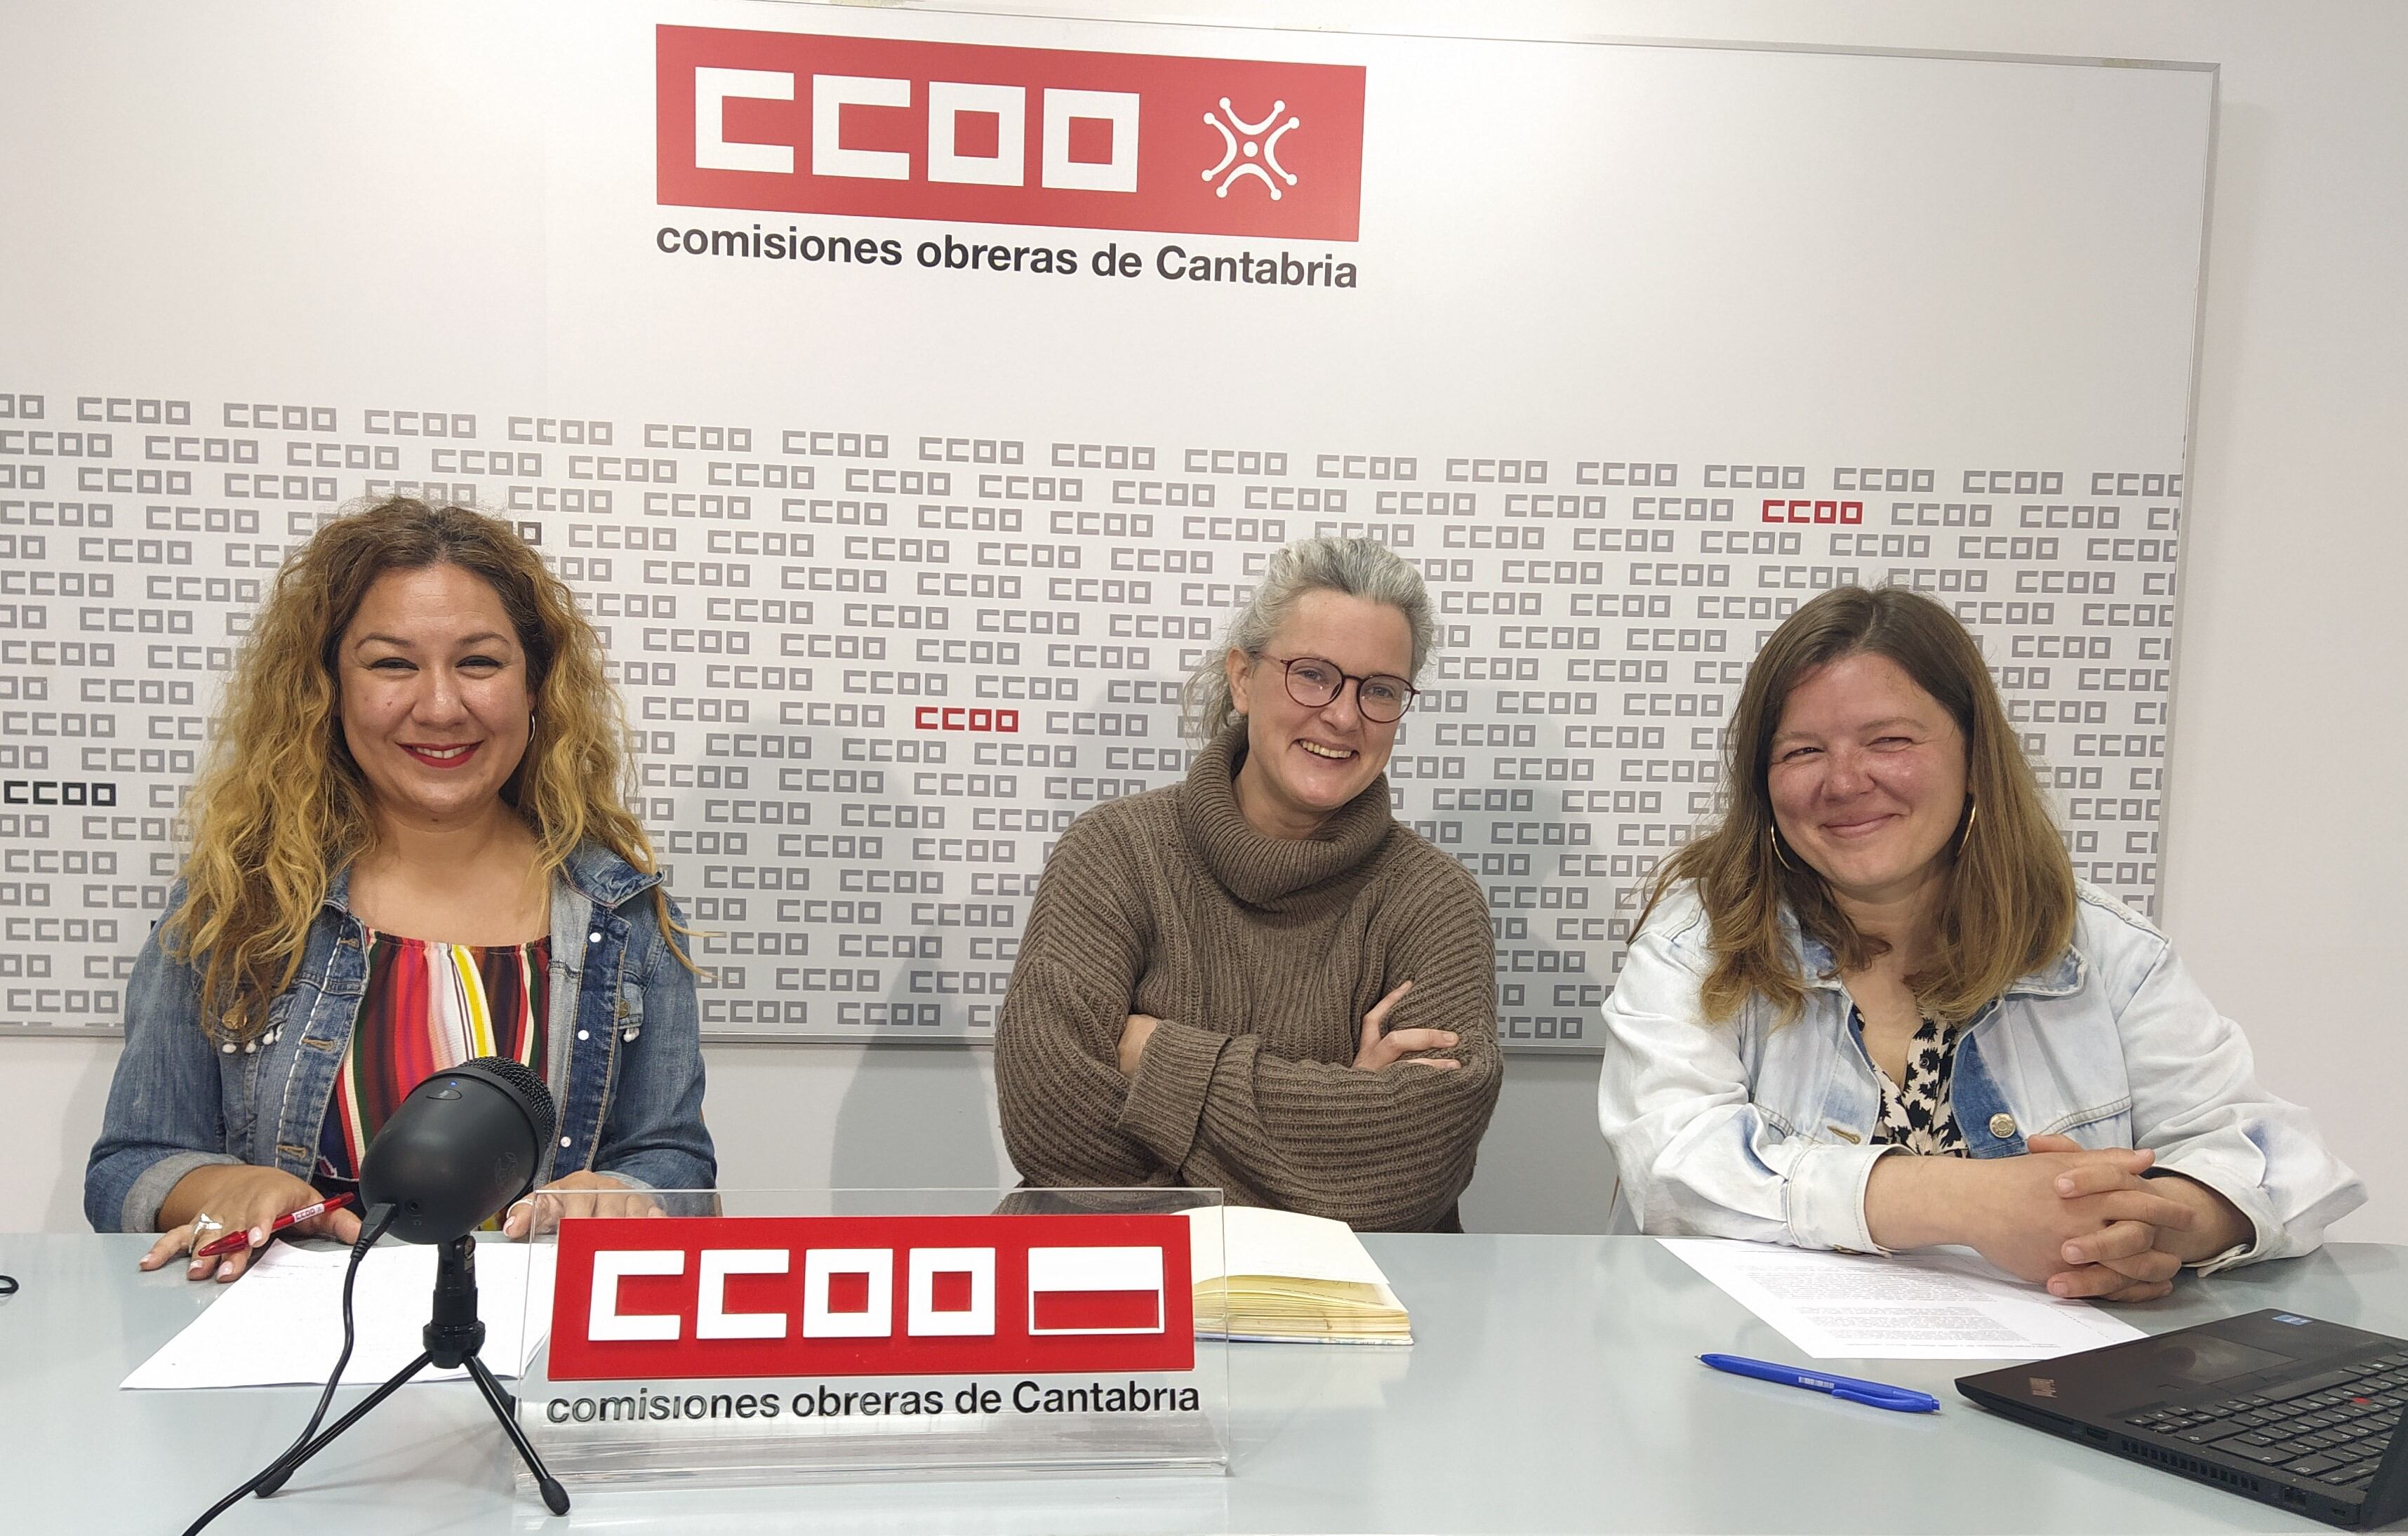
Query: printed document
point(1932, 1304)
point(282, 1322)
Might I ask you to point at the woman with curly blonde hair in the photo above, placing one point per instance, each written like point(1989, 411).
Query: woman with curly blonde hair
point(409, 848)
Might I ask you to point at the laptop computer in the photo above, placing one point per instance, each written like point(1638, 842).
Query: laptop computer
point(2284, 1409)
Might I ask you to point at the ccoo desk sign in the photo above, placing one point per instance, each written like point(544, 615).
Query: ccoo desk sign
point(780, 1348)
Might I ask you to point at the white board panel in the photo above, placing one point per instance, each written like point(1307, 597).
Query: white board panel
point(900, 564)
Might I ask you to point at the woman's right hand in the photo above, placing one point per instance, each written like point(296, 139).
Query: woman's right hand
point(239, 1198)
point(1379, 1049)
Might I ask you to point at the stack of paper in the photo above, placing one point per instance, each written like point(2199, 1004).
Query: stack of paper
point(282, 1322)
point(1289, 1278)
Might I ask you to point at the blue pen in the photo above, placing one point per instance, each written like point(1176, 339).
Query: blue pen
point(1873, 1394)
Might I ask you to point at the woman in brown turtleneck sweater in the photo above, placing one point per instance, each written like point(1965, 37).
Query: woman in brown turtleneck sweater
point(1258, 979)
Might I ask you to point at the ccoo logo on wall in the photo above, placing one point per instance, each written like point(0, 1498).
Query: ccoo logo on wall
point(802, 122)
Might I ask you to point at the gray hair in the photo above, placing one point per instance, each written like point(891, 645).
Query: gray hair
point(1362, 568)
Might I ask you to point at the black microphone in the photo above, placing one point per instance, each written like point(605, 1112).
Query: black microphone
point(463, 1145)
point(460, 1147)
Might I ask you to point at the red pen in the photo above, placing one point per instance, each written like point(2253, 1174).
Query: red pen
point(232, 1241)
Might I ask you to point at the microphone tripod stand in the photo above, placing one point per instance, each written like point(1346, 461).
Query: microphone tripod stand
point(453, 1338)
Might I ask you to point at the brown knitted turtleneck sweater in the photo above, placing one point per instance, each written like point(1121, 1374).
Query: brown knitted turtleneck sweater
point(1260, 955)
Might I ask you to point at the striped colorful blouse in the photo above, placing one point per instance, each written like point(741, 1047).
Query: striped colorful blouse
point(429, 1005)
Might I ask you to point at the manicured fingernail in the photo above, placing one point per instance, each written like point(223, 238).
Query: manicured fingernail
point(200, 1267)
point(258, 1236)
point(225, 1270)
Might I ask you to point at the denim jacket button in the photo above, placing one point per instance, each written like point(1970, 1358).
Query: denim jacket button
point(2003, 1125)
point(592, 938)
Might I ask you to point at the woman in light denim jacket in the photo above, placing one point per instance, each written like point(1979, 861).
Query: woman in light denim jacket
point(381, 769)
point(1883, 950)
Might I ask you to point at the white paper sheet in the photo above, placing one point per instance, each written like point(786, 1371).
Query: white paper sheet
point(282, 1322)
point(1934, 1304)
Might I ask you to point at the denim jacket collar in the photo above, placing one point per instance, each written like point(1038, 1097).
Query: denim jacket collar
point(2061, 978)
point(599, 874)
point(604, 877)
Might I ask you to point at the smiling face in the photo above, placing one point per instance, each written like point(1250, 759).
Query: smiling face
point(1303, 762)
point(436, 700)
point(1867, 779)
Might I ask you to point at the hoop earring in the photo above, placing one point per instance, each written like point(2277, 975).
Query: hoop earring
point(1973, 809)
point(1779, 857)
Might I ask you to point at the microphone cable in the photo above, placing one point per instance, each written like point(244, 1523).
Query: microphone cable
point(372, 1226)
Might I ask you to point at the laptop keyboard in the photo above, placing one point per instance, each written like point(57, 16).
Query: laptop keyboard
point(2333, 1427)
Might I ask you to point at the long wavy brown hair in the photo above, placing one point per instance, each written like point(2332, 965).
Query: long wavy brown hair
point(280, 805)
point(2007, 905)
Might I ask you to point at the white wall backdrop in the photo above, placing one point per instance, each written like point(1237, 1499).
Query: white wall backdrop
point(900, 559)
point(2285, 703)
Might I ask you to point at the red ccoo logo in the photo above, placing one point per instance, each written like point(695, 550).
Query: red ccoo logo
point(871, 1296)
point(803, 123)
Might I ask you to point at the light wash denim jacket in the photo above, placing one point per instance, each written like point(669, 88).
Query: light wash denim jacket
point(624, 1046)
point(1749, 1129)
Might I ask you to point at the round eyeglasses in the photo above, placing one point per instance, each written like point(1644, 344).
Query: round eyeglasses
point(1315, 683)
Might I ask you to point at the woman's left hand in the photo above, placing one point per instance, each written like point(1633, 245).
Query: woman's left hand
point(581, 1194)
point(1381, 1048)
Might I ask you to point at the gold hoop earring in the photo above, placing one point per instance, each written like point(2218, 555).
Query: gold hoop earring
point(1779, 857)
point(1973, 809)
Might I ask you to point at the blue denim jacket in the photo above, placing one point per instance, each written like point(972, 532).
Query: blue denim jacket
point(624, 1046)
point(1758, 1130)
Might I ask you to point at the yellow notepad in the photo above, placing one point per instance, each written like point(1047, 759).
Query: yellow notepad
point(1289, 1278)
